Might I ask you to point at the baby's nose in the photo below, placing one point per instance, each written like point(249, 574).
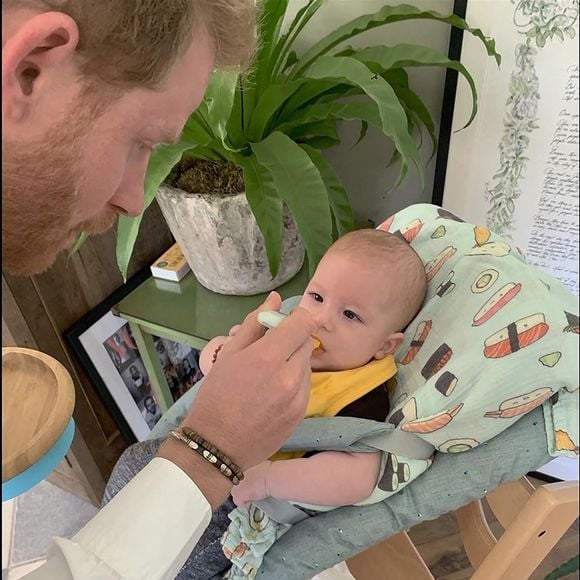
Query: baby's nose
point(322, 318)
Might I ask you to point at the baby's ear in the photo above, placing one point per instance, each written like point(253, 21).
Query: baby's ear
point(390, 345)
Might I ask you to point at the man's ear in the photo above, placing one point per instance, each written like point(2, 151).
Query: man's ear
point(40, 47)
point(390, 345)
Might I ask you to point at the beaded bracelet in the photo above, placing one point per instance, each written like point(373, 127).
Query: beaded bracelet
point(210, 453)
point(197, 438)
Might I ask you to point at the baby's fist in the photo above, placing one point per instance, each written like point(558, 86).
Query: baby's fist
point(254, 486)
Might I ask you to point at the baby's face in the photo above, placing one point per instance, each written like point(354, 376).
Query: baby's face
point(348, 301)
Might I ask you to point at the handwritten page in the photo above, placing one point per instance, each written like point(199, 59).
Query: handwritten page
point(515, 168)
point(553, 243)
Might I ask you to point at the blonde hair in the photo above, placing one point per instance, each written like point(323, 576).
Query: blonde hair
point(394, 258)
point(129, 43)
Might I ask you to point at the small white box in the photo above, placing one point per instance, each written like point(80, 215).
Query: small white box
point(171, 265)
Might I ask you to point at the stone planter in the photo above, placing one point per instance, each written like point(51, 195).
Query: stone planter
point(222, 243)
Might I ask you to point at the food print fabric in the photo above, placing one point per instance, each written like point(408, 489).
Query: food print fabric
point(495, 338)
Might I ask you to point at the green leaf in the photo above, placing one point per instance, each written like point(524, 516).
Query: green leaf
point(161, 162)
point(266, 206)
point(268, 104)
point(291, 60)
point(386, 15)
point(415, 104)
point(270, 20)
point(301, 19)
point(337, 196)
point(219, 99)
point(364, 127)
point(235, 126)
point(299, 183)
point(322, 134)
point(394, 158)
point(413, 55)
point(392, 114)
point(83, 237)
point(194, 130)
point(313, 92)
point(366, 111)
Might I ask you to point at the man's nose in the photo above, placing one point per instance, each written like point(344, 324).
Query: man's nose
point(129, 202)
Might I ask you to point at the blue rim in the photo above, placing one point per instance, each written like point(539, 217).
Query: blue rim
point(39, 470)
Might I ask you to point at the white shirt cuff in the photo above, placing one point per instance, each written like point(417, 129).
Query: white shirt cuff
point(146, 532)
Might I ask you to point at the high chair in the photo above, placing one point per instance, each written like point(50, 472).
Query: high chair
point(533, 519)
point(490, 364)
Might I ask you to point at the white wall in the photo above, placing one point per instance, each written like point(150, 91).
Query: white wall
point(362, 169)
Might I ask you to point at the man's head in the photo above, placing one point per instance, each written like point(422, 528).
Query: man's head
point(366, 290)
point(89, 88)
point(150, 404)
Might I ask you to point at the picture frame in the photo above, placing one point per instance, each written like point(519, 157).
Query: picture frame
point(105, 348)
point(515, 168)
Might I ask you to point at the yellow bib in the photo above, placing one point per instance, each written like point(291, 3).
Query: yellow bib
point(332, 391)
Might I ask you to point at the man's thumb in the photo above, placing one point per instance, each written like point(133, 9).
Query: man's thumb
point(273, 302)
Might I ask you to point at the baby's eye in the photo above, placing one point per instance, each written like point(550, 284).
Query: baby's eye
point(351, 315)
point(316, 296)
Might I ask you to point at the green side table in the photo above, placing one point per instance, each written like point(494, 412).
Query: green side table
point(188, 313)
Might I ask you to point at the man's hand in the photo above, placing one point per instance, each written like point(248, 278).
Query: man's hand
point(255, 395)
point(254, 486)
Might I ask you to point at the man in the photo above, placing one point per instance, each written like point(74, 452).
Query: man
point(89, 88)
point(152, 411)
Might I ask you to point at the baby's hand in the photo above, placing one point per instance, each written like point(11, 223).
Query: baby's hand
point(254, 485)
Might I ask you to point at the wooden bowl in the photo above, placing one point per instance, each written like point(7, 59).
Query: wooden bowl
point(38, 399)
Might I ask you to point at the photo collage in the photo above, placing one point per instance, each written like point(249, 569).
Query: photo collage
point(180, 364)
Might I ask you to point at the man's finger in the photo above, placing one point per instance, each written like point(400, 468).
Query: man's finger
point(234, 329)
point(251, 330)
point(289, 336)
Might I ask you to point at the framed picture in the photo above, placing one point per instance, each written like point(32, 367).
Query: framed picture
point(180, 363)
point(105, 347)
point(516, 167)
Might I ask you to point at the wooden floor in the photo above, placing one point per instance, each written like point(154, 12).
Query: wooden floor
point(439, 544)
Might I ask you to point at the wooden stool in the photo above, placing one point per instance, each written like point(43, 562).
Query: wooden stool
point(38, 399)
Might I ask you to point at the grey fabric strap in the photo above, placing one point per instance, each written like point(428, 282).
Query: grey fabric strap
point(353, 434)
point(395, 441)
point(401, 443)
point(281, 510)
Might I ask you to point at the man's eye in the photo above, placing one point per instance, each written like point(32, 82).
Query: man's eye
point(317, 297)
point(351, 315)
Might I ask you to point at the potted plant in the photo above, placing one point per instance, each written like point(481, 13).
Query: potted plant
point(262, 134)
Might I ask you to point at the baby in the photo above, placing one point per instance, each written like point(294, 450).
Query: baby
point(367, 288)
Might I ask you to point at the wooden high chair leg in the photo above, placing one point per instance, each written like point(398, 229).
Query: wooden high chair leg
point(395, 558)
point(547, 515)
